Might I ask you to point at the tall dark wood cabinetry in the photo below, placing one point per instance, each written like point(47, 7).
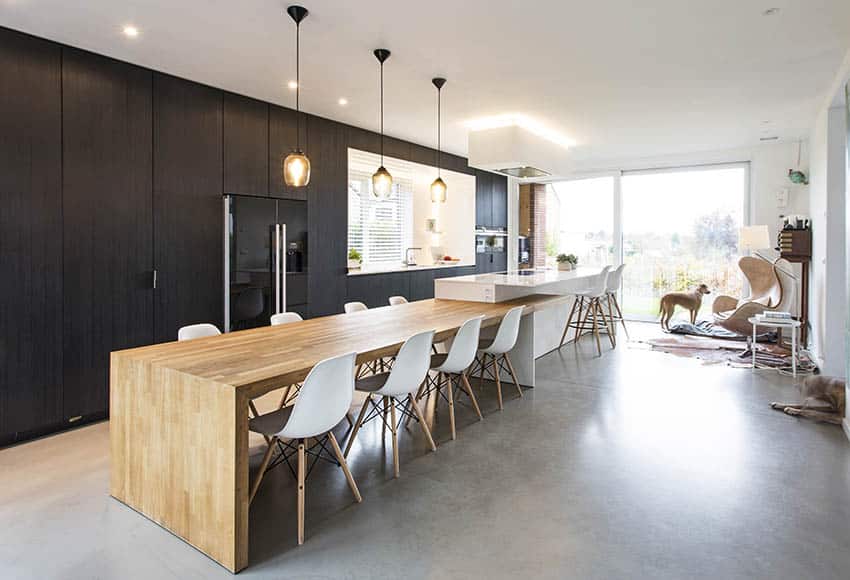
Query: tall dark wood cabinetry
point(188, 205)
point(491, 200)
point(30, 235)
point(107, 222)
point(246, 145)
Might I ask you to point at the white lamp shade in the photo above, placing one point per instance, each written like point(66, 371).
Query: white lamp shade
point(755, 238)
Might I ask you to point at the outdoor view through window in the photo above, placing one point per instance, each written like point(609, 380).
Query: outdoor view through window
point(679, 229)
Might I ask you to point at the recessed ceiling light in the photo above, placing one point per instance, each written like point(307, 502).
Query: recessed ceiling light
point(131, 31)
point(519, 120)
point(770, 12)
point(292, 85)
point(342, 101)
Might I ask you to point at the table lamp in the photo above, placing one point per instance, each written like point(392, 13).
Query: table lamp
point(754, 238)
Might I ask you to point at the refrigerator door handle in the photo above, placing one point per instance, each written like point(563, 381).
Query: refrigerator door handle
point(283, 274)
point(276, 288)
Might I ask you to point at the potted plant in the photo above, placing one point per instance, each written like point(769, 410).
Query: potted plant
point(354, 259)
point(566, 262)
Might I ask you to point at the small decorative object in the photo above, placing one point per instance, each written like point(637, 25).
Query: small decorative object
point(431, 225)
point(354, 259)
point(797, 177)
point(566, 262)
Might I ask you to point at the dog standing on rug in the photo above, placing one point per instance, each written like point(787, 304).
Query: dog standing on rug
point(687, 300)
point(829, 390)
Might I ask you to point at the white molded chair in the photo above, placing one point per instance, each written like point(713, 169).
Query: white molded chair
point(451, 369)
point(285, 318)
point(614, 314)
point(324, 401)
point(350, 307)
point(396, 300)
point(587, 309)
point(194, 331)
point(395, 390)
point(497, 349)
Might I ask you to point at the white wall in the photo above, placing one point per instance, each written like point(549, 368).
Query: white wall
point(455, 218)
point(828, 306)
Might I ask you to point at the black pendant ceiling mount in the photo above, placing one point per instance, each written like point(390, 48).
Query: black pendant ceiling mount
point(438, 186)
point(296, 166)
point(382, 181)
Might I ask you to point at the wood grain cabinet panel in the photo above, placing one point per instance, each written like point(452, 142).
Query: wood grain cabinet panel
point(107, 200)
point(246, 145)
point(30, 235)
point(188, 205)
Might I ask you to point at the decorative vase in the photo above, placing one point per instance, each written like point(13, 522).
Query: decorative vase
point(565, 266)
point(354, 264)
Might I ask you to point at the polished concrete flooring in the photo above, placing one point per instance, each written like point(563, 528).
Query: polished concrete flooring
point(636, 464)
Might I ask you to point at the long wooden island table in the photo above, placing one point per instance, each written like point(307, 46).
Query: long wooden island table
point(179, 410)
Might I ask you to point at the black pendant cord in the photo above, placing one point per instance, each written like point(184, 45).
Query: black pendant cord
point(298, 86)
point(439, 111)
point(382, 113)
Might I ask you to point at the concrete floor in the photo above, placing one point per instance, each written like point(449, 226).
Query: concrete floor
point(634, 465)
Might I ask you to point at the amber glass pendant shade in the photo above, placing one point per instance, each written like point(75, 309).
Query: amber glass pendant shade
point(438, 191)
point(382, 183)
point(296, 169)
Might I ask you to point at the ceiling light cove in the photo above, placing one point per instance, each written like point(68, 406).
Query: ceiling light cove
point(524, 121)
point(131, 31)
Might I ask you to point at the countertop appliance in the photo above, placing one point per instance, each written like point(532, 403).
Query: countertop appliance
point(265, 259)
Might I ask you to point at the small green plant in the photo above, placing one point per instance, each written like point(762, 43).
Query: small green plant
point(354, 255)
point(567, 259)
point(572, 259)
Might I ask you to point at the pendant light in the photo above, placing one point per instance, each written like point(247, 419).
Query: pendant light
point(438, 187)
point(382, 181)
point(296, 166)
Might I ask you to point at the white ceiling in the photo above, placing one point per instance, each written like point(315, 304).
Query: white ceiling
point(623, 78)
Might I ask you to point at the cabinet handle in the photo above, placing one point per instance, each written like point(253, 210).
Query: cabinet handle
point(154, 279)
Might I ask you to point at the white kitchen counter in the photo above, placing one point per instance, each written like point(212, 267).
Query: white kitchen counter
point(367, 270)
point(540, 331)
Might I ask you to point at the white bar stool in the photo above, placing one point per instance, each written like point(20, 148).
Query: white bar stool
point(395, 390)
point(194, 331)
point(324, 401)
point(614, 314)
point(497, 349)
point(588, 306)
point(451, 369)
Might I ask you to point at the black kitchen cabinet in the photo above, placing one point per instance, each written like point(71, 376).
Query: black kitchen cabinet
point(283, 128)
point(483, 199)
point(246, 145)
point(374, 290)
point(188, 206)
point(421, 284)
point(499, 195)
point(30, 236)
point(107, 222)
point(488, 262)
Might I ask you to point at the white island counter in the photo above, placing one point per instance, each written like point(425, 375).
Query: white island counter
point(540, 331)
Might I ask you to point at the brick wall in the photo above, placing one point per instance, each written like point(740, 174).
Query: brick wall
point(538, 224)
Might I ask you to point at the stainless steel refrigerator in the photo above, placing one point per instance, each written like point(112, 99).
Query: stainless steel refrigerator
point(265, 260)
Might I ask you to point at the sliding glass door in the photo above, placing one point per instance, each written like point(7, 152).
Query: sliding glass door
point(680, 229)
point(580, 221)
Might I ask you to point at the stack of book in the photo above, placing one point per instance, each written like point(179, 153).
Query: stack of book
point(774, 316)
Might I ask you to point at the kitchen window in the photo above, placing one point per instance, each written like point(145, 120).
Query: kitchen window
point(380, 229)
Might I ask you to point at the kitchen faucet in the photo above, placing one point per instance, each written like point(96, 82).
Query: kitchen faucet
point(408, 261)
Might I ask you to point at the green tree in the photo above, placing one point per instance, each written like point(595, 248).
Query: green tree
point(716, 232)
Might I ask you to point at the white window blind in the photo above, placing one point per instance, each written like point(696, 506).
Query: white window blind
point(379, 229)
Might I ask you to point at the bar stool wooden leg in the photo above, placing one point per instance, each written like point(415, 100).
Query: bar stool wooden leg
point(302, 474)
point(569, 320)
point(594, 305)
point(607, 322)
point(357, 424)
point(422, 423)
point(583, 323)
point(344, 465)
point(620, 314)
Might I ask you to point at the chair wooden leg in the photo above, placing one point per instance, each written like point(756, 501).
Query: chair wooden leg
point(285, 397)
point(620, 314)
point(422, 423)
point(569, 320)
point(302, 475)
point(513, 374)
point(468, 388)
point(263, 465)
point(357, 424)
point(394, 430)
point(451, 406)
point(594, 303)
point(483, 370)
point(384, 413)
point(498, 383)
point(342, 463)
point(609, 323)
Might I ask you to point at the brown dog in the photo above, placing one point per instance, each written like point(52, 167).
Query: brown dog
point(829, 390)
point(688, 300)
